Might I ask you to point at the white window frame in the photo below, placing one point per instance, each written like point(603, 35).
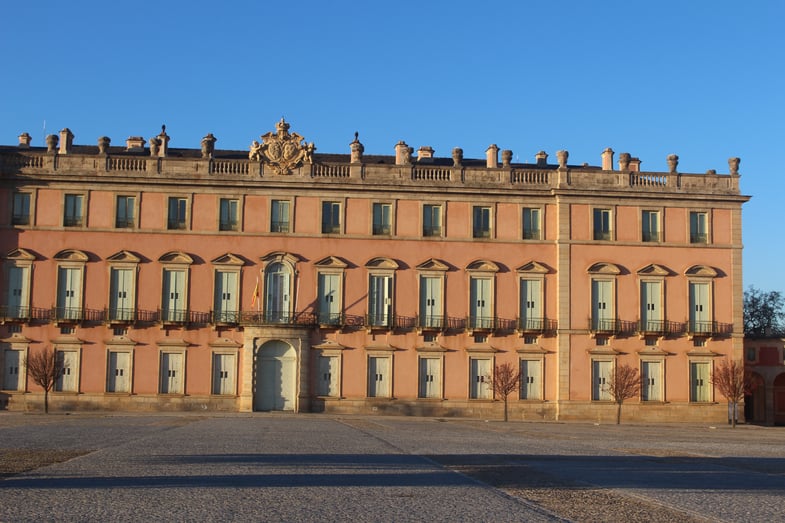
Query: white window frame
point(12, 205)
point(435, 378)
point(228, 373)
point(175, 262)
point(339, 228)
point(133, 222)
point(178, 225)
point(537, 389)
point(381, 268)
point(328, 349)
point(383, 229)
point(657, 384)
point(647, 215)
point(126, 373)
point(285, 301)
point(70, 307)
point(276, 225)
point(433, 231)
point(19, 346)
point(75, 352)
point(387, 390)
point(235, 222)
point(228, 264)
point(706, 384)
point(599, 383)
point(695, 235)
point(480, 384)
point(122, 261)
point(163, 388)
point(73, 221)
point(482, 233)
point(532, 234)
point(17, 301)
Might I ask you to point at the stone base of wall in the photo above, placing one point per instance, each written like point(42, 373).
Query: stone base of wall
point(597, 412)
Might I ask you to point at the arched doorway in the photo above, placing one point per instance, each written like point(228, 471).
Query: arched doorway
point(755, 400)
point(779, 400)
point(274, 376)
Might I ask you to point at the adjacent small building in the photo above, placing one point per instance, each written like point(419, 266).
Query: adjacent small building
point(288, 279)
point(764, 357)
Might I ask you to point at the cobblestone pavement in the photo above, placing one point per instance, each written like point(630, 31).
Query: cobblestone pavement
point(272, 467)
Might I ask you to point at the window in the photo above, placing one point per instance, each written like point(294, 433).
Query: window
point(430, 377)
point(379, 381)
point(531, 380)
point(173, 300)
point(531, 318)
point(13, 370)
point(118, 371)
point(650, 226)
point(480, 303)
point(279, 219)
point(602, 224)
point(432, 220)
point(752, 354)
point(329, 298)
point(331, 217)
point(172, 370)
point(125, 212)
point(699, 382)
point(20, 209)
point(328, 376)
point(380, 294)
point(481, 222)
point(277, 280)
point(68, 361)
point(229, 215)
point(382, 218)
point(699, 227)
point(479, 378)
point(225, 304)
point(72, 213)
point(600, 376)
point(531, 224)
point(602, 315)
point(18, 292)
point(700, 309)
point(431, 315)
point(224, 374)
point(651, 380)
point(178, 213)
point(69, 293)
point(651, 307)
point(121, 294)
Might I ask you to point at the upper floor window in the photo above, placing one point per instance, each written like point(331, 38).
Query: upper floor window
point(431, 220)
point(531, 223)
point(174, 288)
point(602, 224)
point(178, 213)
point(124, 215)
point(481, 222)
point(279, 219)
point(20, 212)
point(650, 226)
point(382, 218)
point(73, 210)
point(331, 217)
point(699, 227)
point(229, 218)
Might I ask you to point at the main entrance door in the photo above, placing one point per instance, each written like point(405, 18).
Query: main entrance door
point(274, 377)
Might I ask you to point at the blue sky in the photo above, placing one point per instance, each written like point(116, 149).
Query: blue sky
point(701, 79)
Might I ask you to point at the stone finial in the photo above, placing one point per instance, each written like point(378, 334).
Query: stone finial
point(403, 153)
point(163, 143)
point(506, 157)
point(51, 143)
point(673, 162)
point(426, 151)
point(24, 141)
point(66, 140)
point(208, 146)
point(624, 161)
point(492, 156)
point(134, 143)
point(607, 159)
point(541, 158)
point(103, 144)
point(562, 157)
point(357, 149)
point(457, 157)
point(712, 172)
point(733, 164)
point(155, 145)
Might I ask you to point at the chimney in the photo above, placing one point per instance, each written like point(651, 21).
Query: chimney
point(635, 165)
point(607, 159)
point(24, 141)
point(542, 158)
point(624, 161)
point(403, 153)
point(134, 143)
point(66, 141)
point(492, 156)
point(426, 151)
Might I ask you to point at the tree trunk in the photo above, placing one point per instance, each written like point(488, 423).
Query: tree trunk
point(618, 412)
point(505, 408)
point(733, 406)
point(46, 401)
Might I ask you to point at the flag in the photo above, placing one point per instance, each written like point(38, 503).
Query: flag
point(255, 295)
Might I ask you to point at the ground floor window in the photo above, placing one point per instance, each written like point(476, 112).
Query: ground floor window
point(225, 374)
point(600, 378)
point(118, 371)
point(531, 380)
point(379, 376)
point(480, 370)
point(172, 371)
point(700, 386)
point(13, 370)
point(651, 381)
point(430, 377)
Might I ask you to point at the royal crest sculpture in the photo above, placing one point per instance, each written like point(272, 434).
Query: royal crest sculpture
point(283, 150)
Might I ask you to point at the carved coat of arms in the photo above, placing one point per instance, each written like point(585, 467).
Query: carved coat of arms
point(283, 150)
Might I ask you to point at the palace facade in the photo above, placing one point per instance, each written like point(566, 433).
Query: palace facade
point(286, 279)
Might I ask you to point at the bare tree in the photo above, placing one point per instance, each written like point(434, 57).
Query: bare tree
point(623, 384)
point(505, 380)
point(44, 368)
point(763, 312)
point(733, 381)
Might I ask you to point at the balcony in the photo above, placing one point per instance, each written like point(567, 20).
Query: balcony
point(279, 226)
point(331, 319)
point(120, 316)
point(612, 326)
point(277, 318)
point(481, 323)
point(225, 317)
point(431, 323)
point(535, 325)
point(659, 328)
point(709, 328)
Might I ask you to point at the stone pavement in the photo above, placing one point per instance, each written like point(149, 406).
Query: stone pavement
point(273, 467)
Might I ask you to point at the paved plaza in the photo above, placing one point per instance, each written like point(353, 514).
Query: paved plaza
point(279, 467)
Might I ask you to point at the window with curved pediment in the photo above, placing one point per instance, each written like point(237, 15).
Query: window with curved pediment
point(122, 286)
point(603, 297)
point(432, 274)
point(482, 277)
point(381, 285)
point(70, 277)
point(652, 303)
point(18, 270)
point(531, 282)
point(175, 280)
point(278, 283)
point(226, 288)
point(330, 272)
